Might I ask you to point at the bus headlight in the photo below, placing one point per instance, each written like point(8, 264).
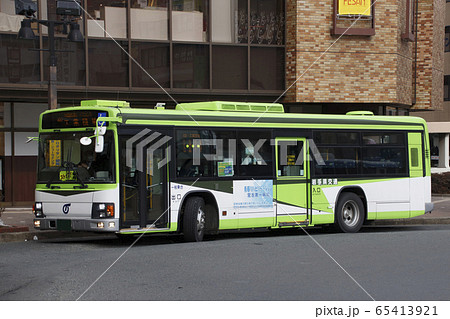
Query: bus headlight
point(37, 210)
point(102, 210)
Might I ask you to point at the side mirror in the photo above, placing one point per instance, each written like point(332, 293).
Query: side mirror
point(85, 141)
point(99, 144)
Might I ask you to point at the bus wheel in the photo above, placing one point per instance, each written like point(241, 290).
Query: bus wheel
point(194, 219)
point(349, 213)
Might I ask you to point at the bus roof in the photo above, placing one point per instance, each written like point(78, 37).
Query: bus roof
point(239, 113)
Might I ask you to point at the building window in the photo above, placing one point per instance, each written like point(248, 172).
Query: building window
point(190, 66)
point(19, 64)
point(446, 88)
point(107, 19)
point(149, 19)
point(71, 65)
point(447, 39)
point(108, 69)
point(48, 12)
point(266, 68)
point(229, 19)
point(266, 22)
point(359, 13)
point(9, 20)
point(190, 20)
point(229, 67)
point(154, 59)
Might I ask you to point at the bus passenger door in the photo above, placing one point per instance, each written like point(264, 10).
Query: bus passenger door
point(292, 195)
point(153, 205)
point(144, 180)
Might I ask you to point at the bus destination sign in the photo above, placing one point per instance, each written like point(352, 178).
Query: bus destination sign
point(71, 119)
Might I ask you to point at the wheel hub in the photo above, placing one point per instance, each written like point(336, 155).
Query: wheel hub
point(350, 213)
point(200, 220)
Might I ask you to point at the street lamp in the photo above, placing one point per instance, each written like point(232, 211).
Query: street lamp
point(66, 9)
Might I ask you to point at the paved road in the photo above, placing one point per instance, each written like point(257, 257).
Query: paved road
point(390, 263)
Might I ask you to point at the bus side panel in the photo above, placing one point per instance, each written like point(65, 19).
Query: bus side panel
point(418, 189)
point(224, 200)
point(386, 199)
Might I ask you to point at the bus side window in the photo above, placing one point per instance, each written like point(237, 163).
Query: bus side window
point(254, 153)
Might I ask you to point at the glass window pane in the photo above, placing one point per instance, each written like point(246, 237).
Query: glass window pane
point(382, 160)
point(109, 15)
point(383, 138)
point(9, 20)
point(190, 20)
point(414, 157)
point(229, 21)
point(336, 138)
point(267, 69)
point(71, 66)
point(291, 158)
point(18, 63)
point(49, 13)
point(267, 22)
point(446, 87)
point(149, 19)
point(154, 58)
point(191, 150)
point(447, 39)
point(108, 64)
point(190, 66)
point(255, 153)
point(337, 161)
point(21, 147)
point(229, 67)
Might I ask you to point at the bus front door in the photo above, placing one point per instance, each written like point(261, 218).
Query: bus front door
point(144, 187)
point(293, 198)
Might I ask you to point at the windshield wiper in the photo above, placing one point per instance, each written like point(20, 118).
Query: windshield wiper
point(50, 181)
point(83, 185)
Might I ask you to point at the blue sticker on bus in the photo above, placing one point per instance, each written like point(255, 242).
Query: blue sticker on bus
point(101, 114)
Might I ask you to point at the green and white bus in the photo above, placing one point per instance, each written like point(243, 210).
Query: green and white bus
point(212, 166)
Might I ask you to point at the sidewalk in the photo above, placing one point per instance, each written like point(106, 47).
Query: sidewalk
point(19, 219)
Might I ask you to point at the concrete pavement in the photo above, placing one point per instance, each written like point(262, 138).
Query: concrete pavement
point(23, 217)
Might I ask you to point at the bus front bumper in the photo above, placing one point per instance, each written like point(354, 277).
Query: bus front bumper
point(429, 207)
point(92, 225)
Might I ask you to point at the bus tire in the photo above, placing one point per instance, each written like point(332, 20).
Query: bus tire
point(194, 219)
point(349, 213)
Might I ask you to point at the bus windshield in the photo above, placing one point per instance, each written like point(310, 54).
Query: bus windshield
point(63, 159)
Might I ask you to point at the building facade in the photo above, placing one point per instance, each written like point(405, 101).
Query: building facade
point(321, 56)
point(439, 120)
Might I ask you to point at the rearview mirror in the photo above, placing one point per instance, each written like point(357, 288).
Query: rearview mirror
point(99, 144)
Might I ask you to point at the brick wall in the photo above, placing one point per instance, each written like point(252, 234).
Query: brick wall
point(361, 69)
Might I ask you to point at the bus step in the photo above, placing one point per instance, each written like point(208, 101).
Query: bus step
point(294, 223)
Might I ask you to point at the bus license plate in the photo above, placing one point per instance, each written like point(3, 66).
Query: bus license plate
point(62, 224)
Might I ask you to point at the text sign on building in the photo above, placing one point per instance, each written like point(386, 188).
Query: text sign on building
point(355, 7)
